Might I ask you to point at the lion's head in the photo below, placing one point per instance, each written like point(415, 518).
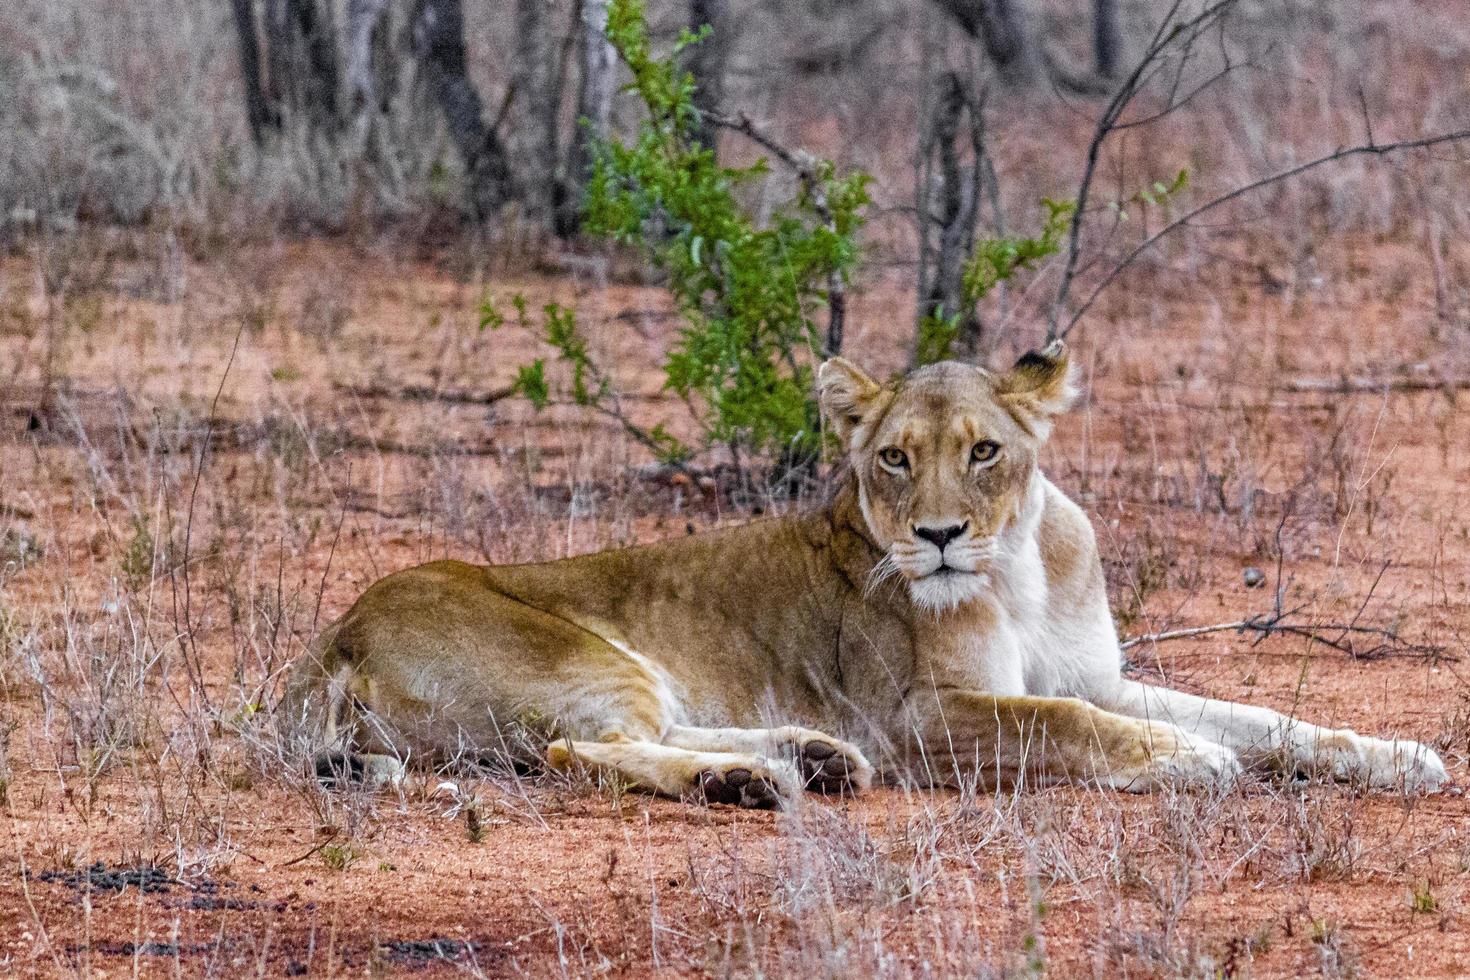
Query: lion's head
point(944, 460)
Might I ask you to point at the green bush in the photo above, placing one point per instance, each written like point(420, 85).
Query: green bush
point(748, 292)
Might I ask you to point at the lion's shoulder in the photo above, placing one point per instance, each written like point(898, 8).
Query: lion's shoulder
point(1066, 540)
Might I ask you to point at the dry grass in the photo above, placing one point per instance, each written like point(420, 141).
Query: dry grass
point(206, 452)
point(167, 554)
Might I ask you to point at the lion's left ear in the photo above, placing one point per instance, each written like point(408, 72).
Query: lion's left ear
point(1040, 385)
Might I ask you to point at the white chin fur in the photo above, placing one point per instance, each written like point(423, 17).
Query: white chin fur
point(942, 592)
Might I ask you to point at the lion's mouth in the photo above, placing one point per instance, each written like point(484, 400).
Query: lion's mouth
point(949, 572)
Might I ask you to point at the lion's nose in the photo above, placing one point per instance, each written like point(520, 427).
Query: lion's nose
point(941, 536)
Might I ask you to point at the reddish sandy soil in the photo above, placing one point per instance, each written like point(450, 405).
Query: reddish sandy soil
point(136, 651)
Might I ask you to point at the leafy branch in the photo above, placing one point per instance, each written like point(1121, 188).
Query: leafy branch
point(994, 261)
point(590, 387)
point(748, 291)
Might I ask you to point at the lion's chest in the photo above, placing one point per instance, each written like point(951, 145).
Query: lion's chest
point(1007, 643)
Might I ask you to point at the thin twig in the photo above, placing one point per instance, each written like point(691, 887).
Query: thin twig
point(1167, 34)
point(1358, 386)
point(1335, 635)
point(303, 857)
point(191, 652)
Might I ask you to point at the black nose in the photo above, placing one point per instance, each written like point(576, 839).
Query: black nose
point(941, 536)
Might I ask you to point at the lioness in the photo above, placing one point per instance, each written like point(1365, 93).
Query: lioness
point(944, 614)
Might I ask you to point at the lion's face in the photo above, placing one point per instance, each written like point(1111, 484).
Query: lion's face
point(944, 460)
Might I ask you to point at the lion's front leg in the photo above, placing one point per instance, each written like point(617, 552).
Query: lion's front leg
point(1008, 740)
point(737, 778)
point(1270, 740)
point(827, 764)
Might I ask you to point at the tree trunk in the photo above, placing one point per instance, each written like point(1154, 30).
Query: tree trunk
point(1000, 27)
point(958, 195)
point(1107, 40)
point(258, 111)
point(301, 54)
point(706, 62)
point(364, 23)
point(595, 87)
point(438, 38)
point(535, 110)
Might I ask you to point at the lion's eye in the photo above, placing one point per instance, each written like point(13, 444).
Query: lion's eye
point(894, 458)
point(985, 451)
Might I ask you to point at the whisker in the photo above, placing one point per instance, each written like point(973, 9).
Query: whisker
point(885, 569)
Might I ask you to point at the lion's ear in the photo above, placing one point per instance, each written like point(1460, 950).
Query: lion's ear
point(1040, 385)
point(847, 396)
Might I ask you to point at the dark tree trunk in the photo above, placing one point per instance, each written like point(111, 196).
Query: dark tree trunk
point(706, 62)
point(301, 52)
point(1000, 27)
point(438, 38)
point(1107, 40)
point(958, 196)
point(535, 109)
point(258, 111)
point(595, 87)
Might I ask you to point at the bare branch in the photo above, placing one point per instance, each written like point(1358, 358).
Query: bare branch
point(1169, 33)
point(1338, 636)
point(427, 393)
point(1282, 621)
point(1342, 153)
point(1374, 386)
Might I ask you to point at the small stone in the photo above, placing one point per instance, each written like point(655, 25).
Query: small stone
point(1254, 578)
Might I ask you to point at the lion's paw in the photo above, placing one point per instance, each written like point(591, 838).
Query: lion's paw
point(828, 765)
point(754, 786)
point(1386, 764)
point(337, 769)
point(1177, 759)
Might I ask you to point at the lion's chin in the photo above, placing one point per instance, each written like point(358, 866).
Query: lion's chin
point(947, 588)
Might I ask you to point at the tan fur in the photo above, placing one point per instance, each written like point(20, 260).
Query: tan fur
point(944, 615)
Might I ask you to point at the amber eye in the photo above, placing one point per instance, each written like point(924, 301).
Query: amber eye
point(894, 458)
point(985, 451)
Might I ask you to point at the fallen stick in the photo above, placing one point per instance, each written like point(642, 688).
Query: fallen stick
point(427, 393)
point(1353, 386)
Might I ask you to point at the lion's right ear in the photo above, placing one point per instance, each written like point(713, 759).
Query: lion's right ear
point(847, 396)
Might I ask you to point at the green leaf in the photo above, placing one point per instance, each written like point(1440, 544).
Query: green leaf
point(531, 383)
point(490, 317)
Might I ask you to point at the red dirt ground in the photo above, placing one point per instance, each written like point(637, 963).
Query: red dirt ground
point(1211, 415)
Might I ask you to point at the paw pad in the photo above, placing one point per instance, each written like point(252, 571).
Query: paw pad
point(739, 787)
point(825, 769)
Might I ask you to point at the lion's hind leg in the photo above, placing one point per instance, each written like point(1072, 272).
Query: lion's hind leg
point(321, 725)
point(349, 748)
point(826, 764)
point(739, 779)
